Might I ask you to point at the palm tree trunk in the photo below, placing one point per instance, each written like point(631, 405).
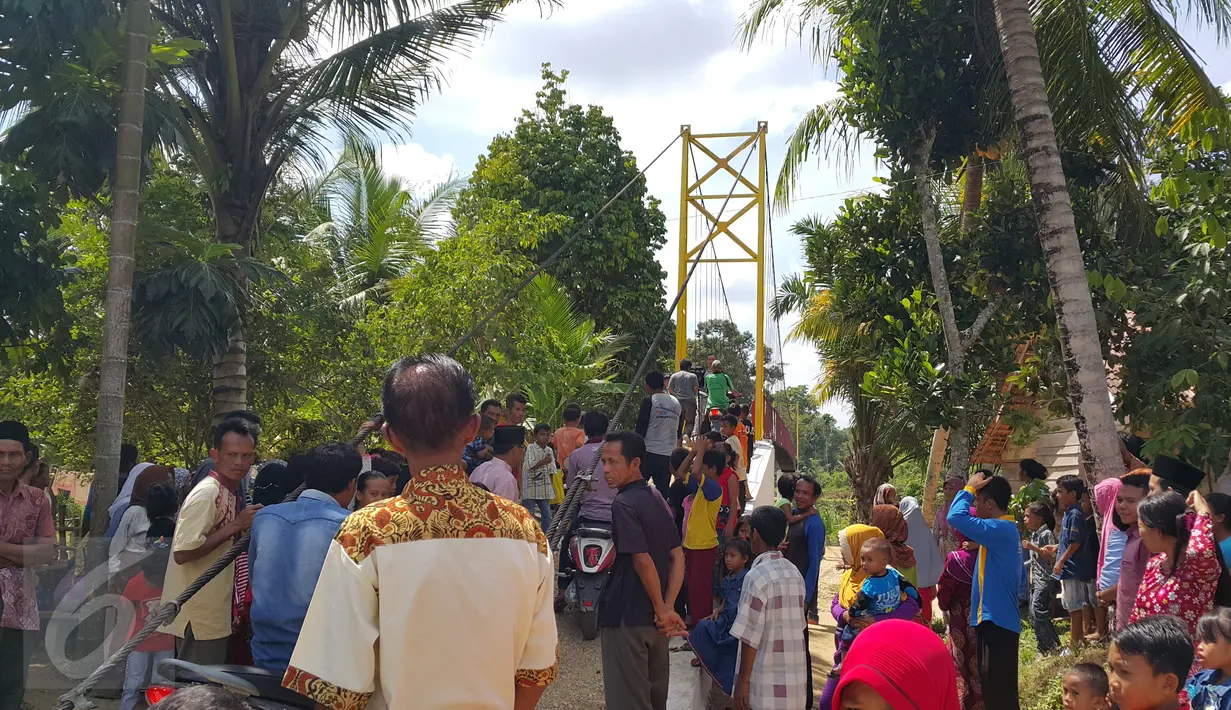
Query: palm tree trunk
point(230, 375)
point(1083, 358)
point(126, 196)
point(959, 443)
point(972, 191)
point(229, 369)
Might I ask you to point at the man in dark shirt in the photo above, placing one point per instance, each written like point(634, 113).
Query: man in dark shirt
point(636, 610)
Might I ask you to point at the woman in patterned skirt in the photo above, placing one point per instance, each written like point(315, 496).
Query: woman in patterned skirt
point(953, 596)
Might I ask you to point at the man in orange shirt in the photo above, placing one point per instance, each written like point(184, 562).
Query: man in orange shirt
point(569, 437)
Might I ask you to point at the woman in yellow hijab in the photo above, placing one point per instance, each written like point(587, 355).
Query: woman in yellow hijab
point(851, 539)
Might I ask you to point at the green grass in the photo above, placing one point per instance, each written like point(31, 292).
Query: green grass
point(1038, 677)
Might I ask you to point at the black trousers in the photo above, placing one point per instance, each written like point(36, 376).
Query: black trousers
point(997, 648)
point(656, 468)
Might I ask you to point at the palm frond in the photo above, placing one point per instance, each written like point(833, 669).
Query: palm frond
point(824, 130)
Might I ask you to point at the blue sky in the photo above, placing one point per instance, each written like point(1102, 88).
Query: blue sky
point(654, 65)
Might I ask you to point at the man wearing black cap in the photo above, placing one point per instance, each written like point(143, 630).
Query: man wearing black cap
point(1174, 475)
point(509, 450)
point(27, 540)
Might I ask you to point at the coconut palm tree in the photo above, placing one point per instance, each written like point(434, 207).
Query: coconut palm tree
point(378, 226)
point(1083, 355)
point(1103, 61)
point(882, 437)
point(268, 85)
point(126, 196)
point(1111, 68)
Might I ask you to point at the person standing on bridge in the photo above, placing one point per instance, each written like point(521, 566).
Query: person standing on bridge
point(658, 423)
point(719, 387)
point(398, 608)
point(683, 385)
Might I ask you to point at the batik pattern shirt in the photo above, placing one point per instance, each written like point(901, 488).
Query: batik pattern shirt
point(25, 516)
point(399, 620)
point(536, 482)
point(771, 620)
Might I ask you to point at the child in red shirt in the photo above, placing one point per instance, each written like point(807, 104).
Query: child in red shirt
point(145, 593)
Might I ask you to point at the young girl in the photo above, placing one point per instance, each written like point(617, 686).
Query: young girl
point(712, 641)
point(373, 487)
point(144, 591)
point(1211, 688)
point(1040, 521)
point(743, 529)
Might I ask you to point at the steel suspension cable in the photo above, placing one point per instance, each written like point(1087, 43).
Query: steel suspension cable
point(563, 521)
point(168, 611)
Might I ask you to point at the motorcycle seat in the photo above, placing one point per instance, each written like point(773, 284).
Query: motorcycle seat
point(267, 684)
point(594, 532)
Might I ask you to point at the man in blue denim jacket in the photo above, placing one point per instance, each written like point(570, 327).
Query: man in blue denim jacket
point(288, 547)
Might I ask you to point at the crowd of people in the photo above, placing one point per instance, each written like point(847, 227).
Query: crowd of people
point(443, 536)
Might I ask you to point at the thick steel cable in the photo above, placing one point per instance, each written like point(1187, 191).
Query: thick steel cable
point(165, 613)
point(563, 519)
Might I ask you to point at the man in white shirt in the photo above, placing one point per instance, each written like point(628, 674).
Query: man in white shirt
point(659, 424)
point(509, 451)
point(399, 618)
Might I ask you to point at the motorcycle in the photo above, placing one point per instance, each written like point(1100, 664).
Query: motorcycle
point(261, 688)
point(593, 552)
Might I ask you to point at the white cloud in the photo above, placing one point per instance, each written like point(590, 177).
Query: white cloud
point(413, 163)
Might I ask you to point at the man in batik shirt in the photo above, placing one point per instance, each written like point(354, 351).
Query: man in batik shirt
point(27, 539)
point(440, 597)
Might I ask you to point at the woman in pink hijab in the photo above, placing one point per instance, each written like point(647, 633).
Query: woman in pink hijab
point(1111, 551)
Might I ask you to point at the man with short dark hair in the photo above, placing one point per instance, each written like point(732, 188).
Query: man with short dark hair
point(491, 408)
point(772, 668)
point(209, 521)
point(993, 595)
point(637, 608)
point(515, 408)
point(509, 451)
point(398, 609)
point(27, 539)
point(241, 492)
point(289, 542)
point(684, 385)
point(658, 423)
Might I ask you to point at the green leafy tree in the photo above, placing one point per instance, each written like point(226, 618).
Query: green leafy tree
point(821, 444)
point(269, 82)
point(898, 59)
point(566, 160)
point(736, 350)
point(33, 270)
point(1167, 308)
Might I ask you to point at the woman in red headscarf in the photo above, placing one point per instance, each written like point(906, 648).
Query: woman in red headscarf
point(897, 664)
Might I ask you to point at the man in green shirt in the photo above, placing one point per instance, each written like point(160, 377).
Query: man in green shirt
point(718, 385)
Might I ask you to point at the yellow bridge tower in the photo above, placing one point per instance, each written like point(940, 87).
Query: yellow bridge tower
point(745, 202)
